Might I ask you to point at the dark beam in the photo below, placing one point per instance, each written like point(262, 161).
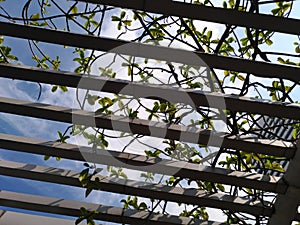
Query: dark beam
point(198, 98)
point(147, 128)
point(261, 69)
point(143, 163)
point(211, 14)
point(104, 213)
point(137, 188)
point(25, 218)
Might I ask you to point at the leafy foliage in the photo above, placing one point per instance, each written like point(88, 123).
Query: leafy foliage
point(154, 29)
point(86, 215)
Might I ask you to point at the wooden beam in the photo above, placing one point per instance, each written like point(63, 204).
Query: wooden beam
point(104, 213)
point(13, 218)
point(261, 69)
point(147, 128)
point(211, 14)
point(143, 163)
point(137, 188)
point(198, 98)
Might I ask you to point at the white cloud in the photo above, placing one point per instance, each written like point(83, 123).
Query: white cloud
point(9, 89)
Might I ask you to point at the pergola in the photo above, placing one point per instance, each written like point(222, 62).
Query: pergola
point(284, 210)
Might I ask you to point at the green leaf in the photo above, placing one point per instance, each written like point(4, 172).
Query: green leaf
point(94, 22)
point(92, 99)
point(12, 57)
point(294, 134)
point(143, 206)
point(74, 10)
point(226, 73)
point(127, 22)
point(249, 191)
point(240, 77)
point(221, 187)
point(104, 143)
point(90, 222)
point(60, 135)
point(232, 78)
point(119, 26)
point(281, 60)
point(269, 42)
point(275, 84)
point(63, 88)
point(54, 88)
point(163, 107)
point(125, 64)
point(209, 33)
point(83, 210)
point(35, 16)
point(133, 114)
point(231, 3)
point(244, 41)
point(115, 18)
point(79, 220)
point(83, 175)
point(88, 191)
point(242, 8)
point(275, 11)
point(123, 13)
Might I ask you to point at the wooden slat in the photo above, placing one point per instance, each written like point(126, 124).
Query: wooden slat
point(143, 163)
point(261, 69)
point(13, 218)
point(211, 14)
point(137, 188)
point(188, 96)
point(147, 128)
point(105, 213)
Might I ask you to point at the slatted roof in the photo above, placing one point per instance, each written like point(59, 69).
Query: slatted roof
point(287, 187)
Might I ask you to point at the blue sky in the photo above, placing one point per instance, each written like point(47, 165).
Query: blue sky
point(37, 128)
point(30, 127)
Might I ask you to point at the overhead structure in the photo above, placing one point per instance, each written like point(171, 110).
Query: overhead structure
point(287, 187)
